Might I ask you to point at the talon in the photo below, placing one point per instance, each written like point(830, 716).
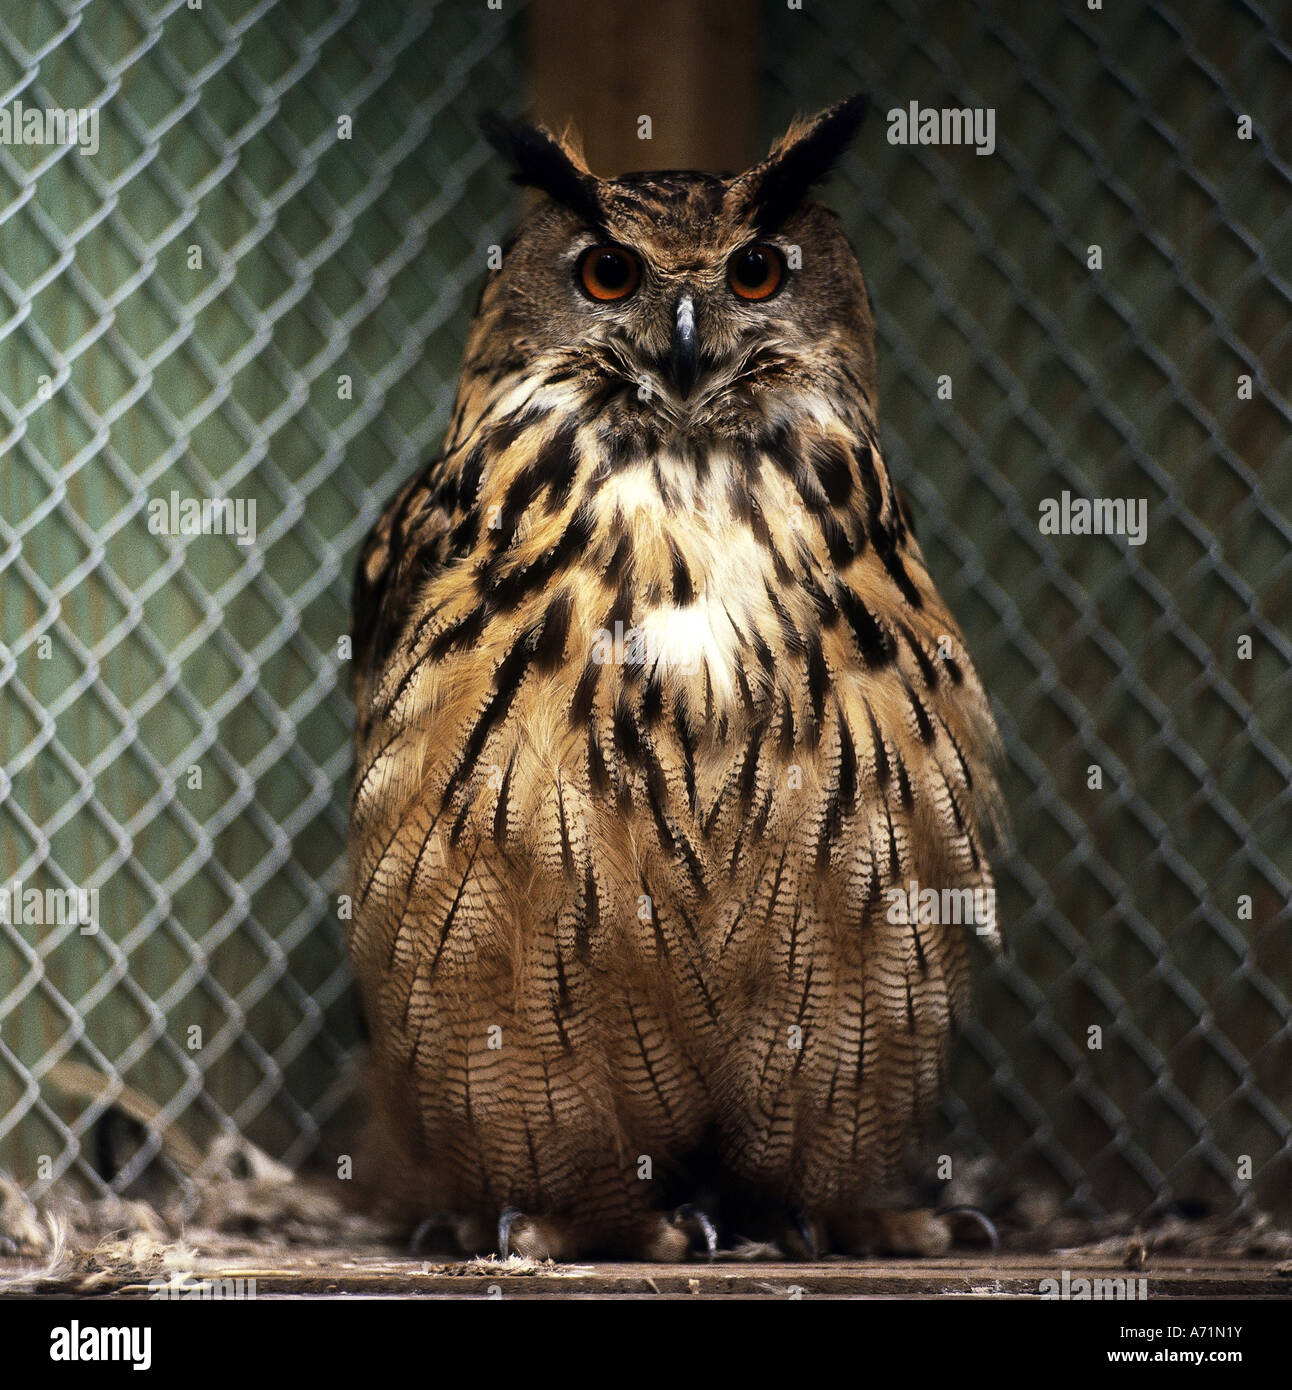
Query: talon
point(802, 1226)
point(983, 1220)
point(689, 1212)
point(509, 1217)
point(463, 1232)
point(424, 1228)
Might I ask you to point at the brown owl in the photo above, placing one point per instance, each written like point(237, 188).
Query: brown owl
point(673, 774)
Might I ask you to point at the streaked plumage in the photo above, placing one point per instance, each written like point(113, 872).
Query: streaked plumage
point(656, 700)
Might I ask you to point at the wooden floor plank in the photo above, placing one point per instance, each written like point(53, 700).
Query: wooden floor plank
point(301, 1272)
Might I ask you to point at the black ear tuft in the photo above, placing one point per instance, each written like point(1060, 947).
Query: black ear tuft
point(803, 156)
point(541, 161)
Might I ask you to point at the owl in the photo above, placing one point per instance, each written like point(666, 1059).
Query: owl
point(673, 775)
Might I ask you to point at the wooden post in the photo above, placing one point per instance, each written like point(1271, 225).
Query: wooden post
point(688, 65)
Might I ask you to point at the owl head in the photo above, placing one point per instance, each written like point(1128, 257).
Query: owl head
point(690, 297)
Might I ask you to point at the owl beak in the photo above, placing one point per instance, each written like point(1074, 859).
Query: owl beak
point(684, 358)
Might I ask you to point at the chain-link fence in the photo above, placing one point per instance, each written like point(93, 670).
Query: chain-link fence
point(238, 295)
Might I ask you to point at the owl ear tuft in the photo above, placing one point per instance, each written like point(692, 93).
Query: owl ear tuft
point(802, 157)
point(541, 160)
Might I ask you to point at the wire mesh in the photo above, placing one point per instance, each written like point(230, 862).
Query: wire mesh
point(236, 297)
point(1152, 907)
point(233, 298)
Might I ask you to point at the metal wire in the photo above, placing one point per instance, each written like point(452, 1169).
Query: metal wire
point(173, 708)
point(232, 298)
point(1153, 908)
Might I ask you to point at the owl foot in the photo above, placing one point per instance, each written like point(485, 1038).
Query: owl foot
point(559, 1238)
point(506, 1220)
point(441, 1221)
point(979, 1219)
point(689, 1218)
point(466, 1235)
point(876, 1231)
point(670, 1239)
point(807, 1233)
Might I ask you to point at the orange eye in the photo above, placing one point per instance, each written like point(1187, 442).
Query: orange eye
point(757, 271)
point(609, 272)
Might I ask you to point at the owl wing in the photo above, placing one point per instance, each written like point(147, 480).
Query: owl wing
point(408, 545)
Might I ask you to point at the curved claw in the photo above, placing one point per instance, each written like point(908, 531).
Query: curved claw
point(802, 1226)
point(506, 1220)
point(981, 1218)
point(690, 1212)
point(424, 1228)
